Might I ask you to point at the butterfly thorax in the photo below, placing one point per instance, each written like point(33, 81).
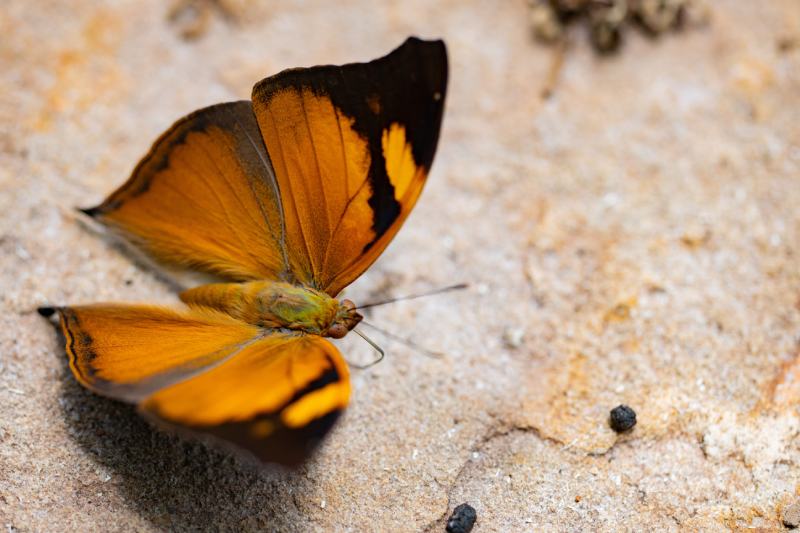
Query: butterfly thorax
point(272, 304)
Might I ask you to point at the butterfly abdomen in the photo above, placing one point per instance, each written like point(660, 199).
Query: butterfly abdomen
point(269, 304)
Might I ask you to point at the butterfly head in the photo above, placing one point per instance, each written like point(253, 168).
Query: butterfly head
point(346, 319)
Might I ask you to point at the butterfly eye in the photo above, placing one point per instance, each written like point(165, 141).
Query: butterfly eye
point(348, 305)
point(337, 331)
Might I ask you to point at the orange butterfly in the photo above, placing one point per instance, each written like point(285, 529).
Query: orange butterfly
point(285, 201)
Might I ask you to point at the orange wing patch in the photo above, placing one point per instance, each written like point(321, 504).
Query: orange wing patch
point(400, 165)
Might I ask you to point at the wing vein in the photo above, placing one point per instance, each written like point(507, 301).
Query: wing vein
point(319, 169)
point(235, 193)
point(346, 191)
point(221, 205)
point(344, 153)
point(233, 227)
point(239, 198)
point(291, 193)
point(279, 204)
point(339, 223)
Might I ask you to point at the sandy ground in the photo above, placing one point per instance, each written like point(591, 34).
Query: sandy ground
point(633, 239)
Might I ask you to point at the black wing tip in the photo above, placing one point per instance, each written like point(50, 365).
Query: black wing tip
point(413, 40)
point(434, 52)
point(419, 40)
point(90, 211)
point(46, 311)
point(265, 88)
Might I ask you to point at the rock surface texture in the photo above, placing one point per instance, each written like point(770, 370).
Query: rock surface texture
point(634, 239)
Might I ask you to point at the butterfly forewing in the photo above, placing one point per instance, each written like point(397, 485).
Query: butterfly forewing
point(130, 351)
point(205, 199)
point(351, 147)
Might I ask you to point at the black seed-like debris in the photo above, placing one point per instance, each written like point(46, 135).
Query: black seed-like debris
point(462, 519)
point(622, 418)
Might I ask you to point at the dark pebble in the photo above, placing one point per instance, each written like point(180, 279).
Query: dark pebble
point(622, 418)
point(462, 519)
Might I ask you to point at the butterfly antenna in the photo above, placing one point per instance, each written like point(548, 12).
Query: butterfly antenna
point(456, 287)
point(374, 345)
point(403, 340)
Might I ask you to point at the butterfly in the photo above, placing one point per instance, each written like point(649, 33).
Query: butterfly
point(282, 202)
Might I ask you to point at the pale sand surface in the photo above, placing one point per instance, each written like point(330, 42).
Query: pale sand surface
point(636, 238)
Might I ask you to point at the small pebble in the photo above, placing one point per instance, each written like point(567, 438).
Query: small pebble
point(462, 519)
point(791, 515)
point(513, 337)
point(622, 418)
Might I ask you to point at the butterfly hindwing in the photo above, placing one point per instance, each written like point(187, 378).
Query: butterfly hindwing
point(272, 394)
point(129, 351)
point(276, 398)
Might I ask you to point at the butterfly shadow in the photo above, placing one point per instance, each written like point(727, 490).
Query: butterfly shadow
point(175, 483)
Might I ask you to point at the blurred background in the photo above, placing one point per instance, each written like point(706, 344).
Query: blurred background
point(618, 181)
